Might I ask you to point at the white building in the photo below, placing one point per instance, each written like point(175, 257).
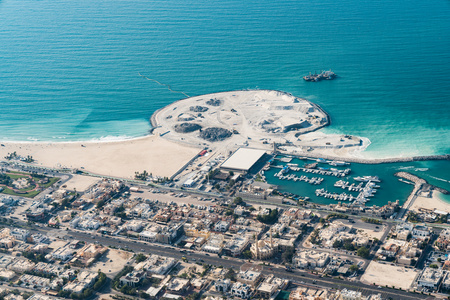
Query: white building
point(214, 244)
point(20, 234)
point(420, 231)
point(63, 253)
point(430, 278)
point(222, 285)
point(311, 259)
point(241, 290)
point(222, 226)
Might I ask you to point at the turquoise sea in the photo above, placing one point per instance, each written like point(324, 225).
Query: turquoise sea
point(69, 70)
point(391, 189)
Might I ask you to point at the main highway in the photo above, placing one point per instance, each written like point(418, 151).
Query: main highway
point(298, 276)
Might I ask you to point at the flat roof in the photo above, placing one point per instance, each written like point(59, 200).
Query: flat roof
point(243, 159)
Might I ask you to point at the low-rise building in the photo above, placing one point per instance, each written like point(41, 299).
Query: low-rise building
point(311, 259)
point(222, 285)
point(63, 253)
point(252, 278)
point(178, 285)
point(214, 244)
point(221, 226)
point(241, 290)
point(156, 264)
point(430, 278)
point(21, 265)
point(133, 278)
point(236, 245)
point(35, 280)
point(84, 280)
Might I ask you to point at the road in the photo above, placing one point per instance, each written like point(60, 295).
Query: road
point(297, 276)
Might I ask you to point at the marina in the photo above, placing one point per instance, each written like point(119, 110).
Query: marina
point(384, 187)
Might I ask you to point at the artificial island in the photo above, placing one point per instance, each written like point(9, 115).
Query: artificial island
point(233, 195)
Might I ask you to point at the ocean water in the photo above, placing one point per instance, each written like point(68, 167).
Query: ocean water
point(70, 70)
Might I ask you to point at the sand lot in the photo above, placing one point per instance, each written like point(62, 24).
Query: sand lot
point(80, 183)
point(398, 276)
point(111, 262)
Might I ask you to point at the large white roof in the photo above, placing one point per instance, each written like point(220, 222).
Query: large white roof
point(243, 159)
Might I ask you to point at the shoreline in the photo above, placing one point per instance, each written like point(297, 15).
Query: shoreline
point(353, 155)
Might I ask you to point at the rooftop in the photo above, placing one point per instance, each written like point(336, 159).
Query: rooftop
point(243, 159)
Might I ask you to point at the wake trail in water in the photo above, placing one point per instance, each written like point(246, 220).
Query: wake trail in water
point(163, 84)
point(437, 178)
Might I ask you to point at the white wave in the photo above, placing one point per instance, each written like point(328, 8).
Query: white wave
point(32, 139)
point(358, 153)
point(441, 179)
point(113, 138)
point(406, 168)
point(421, 169)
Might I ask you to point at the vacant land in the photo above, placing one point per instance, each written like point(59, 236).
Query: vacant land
point(399, 277)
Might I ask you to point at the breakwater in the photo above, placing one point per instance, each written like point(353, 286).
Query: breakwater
point(420, 181)
point(372, 161)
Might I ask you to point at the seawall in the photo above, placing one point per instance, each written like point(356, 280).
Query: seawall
point(375, 160)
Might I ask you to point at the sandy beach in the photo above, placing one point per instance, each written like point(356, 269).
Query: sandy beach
point(433, 203)
point(116, 158)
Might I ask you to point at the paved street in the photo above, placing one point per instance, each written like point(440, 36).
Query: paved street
point(298, 275)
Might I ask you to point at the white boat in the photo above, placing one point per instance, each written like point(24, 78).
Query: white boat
point(338, 163)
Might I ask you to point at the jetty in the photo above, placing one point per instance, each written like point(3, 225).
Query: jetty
point(365, 191)
point(330, 172)
point(313, 180)
point(419, 184)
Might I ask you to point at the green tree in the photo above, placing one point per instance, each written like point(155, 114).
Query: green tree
point(100, 204)
point(231, 274)
point(287, 255)
point(247, 254)
point(140, 257)
point(354, 268)
point(363, 252)
point(338, 244)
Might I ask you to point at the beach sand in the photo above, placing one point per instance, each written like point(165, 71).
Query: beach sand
point(433, 203)
point(115, 158)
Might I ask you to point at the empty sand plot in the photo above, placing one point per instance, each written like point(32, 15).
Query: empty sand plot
point(386, 274)
point(112, 261)
point(80, 183)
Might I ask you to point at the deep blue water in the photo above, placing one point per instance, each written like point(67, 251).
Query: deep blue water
point(69, 70)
